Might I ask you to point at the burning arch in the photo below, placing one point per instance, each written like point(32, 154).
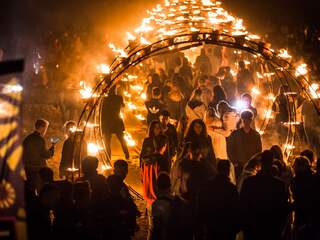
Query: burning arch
point(178, 25)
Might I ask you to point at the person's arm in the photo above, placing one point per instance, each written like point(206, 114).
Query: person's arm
point(259, 144)
point(231, 148)
point(155, 228)
point(44, 152)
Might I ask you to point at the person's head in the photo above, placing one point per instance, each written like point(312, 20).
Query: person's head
point(90, 165)
point(254, 164)
point(164, 183)
point(247, 118)
point(70, 127)
point(277, 152)
point(164, 117)
point(266, 160)
point(221, 72)
point(219, 94)
point(120, 168)
point(197, 94)
point(41, 126)
point(156, 93)
point(156, 79)
point(203, 51)
point(308, 153)
point(301, 165)
point(197, 128)
point(202, 80)
point(155, 128)
point(46, 175)
point(227, 69)
point(247, 99)
point(223, 107)
point(223, 168)
point(242, 65)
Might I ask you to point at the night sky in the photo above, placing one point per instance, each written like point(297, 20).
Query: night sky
point(28, 19)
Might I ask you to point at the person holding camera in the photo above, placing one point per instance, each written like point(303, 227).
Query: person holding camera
point(35, 152)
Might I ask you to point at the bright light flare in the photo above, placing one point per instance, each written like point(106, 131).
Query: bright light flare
point(301, 70)
point(140, 117)
point(12, 88)
point(93, 149)
point(255, 91)
point(129, 139)
point(314, 90)
point(103, 68)
point(283, 53)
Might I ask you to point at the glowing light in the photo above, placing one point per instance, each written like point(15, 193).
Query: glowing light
point(92, 125)
point(103, 68)
point(86, 91)
point(129, 140)
point(140, 117)
point(12, 88)
point(121, 52)
point(143, 96)
point(93, 149)
point(103, 168)
point(255, 91)
point(240, 105)
point(314, 90)
point(301, 70)
point(289, 146)
point(72, 169)
point(144, 41)
point(283, 53)
point(130, 37)
point(291, 123)
point(271, 97)
point(268, 114)
point(132, 106)
point(137, 88)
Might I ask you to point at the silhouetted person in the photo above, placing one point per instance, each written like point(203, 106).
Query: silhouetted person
point(171, 133)
point(302, 191)
point(218, 96)
point(46, 175)
point(220, 205)
point(90, 174)
point(163, 213)
point(122, 211)
point(203, 63)
point(315, 204)
point(247, 99)
point(195, 108)
point(154, 81)
point(250, 169)
point(265, 203)
point(155, 105)
point(308, 153)
point(35, 152)
point(229, 85)
point(245, 79)
point(197, 135)
point(153, 160)
point(243, 143)
point(111, 121)
point(67, 155)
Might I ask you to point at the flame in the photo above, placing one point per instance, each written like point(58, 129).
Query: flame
point(301, 70)
point(283, 53)
point(86, 91)
point(103, 68)
point(255, 91)
point(93, 149)
point(314, 90)
point(289, 146)
point(291, 123)
point(137, 88)
point(268, 114)
point(140, 117)
point(72, 169)
point(271, 97)
point(130, 37)
point(129, 140)
point(12, 88)
point(132, 106)
point(144, 41)
point(120, 51)
point(143, 96)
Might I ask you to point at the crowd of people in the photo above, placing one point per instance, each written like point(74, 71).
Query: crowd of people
point(204, 170)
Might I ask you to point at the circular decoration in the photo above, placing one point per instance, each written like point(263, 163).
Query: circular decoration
point(7, 195)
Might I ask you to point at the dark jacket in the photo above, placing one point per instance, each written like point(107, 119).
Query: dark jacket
point(154, 107)
point(264, 201)
point(172, 136)
point(35, 152)
point(241, 146)
point(220, 208)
